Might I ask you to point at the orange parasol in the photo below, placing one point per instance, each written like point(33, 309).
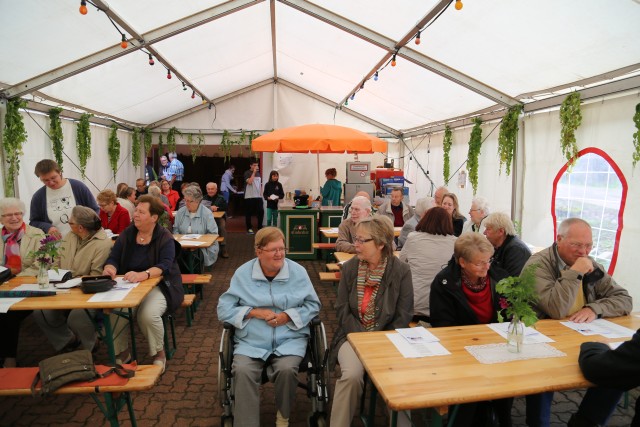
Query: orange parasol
point(318, 138)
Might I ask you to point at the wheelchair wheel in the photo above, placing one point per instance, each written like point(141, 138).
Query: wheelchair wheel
point(227, 421)
point(225, 391)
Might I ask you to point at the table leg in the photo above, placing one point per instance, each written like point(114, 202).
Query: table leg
point(108, 332)
point(113, 405)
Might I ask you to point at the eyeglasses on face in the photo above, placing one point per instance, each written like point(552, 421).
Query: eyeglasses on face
point(274, 251)
point(9, 215)
point(482, 263)
point(360, 241)
point(585, 246)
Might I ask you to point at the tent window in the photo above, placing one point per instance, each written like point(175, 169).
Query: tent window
point(595, 191)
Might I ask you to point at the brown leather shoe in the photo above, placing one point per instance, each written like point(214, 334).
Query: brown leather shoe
point(224, 253)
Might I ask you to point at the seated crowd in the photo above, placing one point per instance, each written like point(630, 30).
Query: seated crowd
point(444, 275)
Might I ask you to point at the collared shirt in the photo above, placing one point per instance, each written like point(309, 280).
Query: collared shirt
point(166, 172)
point(176, 168)
point(225, 184)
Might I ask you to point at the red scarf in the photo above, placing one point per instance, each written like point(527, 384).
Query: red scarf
point(12, 258)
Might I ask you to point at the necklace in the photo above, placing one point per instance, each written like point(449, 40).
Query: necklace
point(141, 238)
point(480, 284)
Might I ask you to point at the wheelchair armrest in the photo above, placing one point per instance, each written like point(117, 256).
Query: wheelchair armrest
point(228, 326)
point(315, 321)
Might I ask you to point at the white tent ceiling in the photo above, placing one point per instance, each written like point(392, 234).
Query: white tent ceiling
point(490, 54)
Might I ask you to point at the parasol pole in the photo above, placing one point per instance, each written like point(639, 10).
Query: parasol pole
point(318, 169)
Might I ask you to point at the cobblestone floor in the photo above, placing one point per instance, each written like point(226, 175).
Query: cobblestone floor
point(187, 392)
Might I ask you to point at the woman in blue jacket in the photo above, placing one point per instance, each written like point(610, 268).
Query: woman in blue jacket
point(270, 302)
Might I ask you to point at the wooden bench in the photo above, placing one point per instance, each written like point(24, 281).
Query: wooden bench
point(192, 284)
point(333, 267)
point(325, 246)
point(330, 276)
point(187, 304)
point(115, 396)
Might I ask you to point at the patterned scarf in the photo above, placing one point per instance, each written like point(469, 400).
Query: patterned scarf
point(12, 258)
point(368, 283)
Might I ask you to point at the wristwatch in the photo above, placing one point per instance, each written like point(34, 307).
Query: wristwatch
point(148, 274)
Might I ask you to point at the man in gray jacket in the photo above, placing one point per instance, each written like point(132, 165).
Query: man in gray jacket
point(570, 284)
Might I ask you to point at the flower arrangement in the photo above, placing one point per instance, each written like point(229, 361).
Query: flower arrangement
point(518, 297)
point(48, 251)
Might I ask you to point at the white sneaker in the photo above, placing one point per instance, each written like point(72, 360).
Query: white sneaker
point(281, 421)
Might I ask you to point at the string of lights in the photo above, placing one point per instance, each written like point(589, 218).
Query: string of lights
point(124, 43)
point(393, 60)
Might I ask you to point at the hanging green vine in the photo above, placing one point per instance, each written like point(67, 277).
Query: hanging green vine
point(475, 142)
point(447, 142)
point(55, 134)
point(252, 136)
point(13, 139)
point(83, 141)
point(195, 146)
point(148, 142)
point(171, 139)
point(114, 149)
point(508, 137)
point(636, 136)
point(226, 144)
point(160, 144)
point(570, 120)
point(135, 148)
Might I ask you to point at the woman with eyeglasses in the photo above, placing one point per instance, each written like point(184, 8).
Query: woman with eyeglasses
point(464, 293)
point(270, 302)
point(18, 241)
point(172, 195)
point(112, 215)
point(194, 218)
point(375, 294)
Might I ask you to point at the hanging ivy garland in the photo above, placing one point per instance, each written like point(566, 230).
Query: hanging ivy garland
point(114, 149)
point(55, 134)
point(508, 137)
point(135, 148)
point(195, 146)
point(475, 142)
point(252, 136)
point(160, 144)
point(83, 141)
point(226, 144)
point(171, 139)
point(148, 142)
point(636, 136)
point(13, 139)
point(447, 142)
point(570, 120)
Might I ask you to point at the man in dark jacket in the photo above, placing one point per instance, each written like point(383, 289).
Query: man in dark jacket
point(511, 253)
point(218, 203)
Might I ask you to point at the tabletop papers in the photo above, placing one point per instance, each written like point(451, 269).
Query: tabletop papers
point(332, 230)
point(600, 327)
point(191, 236)
point(412, 344)
point(71, 283)
point(58, 276)
point(498, 353)
point(118, 293)
point(6, 303)
point(531, 336)
point(190, 243)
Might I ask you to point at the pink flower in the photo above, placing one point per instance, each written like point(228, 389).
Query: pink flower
point(503, 303)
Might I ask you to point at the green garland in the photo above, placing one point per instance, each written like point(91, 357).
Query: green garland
point(55, 134)
point(636, 136)
point(475, 142)
point(197, 146)
point(160, 144)
point(226, 144)
point(135, 148)
point(171, 139)
point(13, 139)
point(447, 142)
point(570, 120)
point(148, 141)
point(114, 149)
point(508, 137)
point(253, 135)
point(83, 141)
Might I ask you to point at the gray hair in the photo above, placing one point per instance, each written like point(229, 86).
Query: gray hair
point(381, 229)
point(470, 244)
point(564, 226)
point(11, 202)
point(86, 217)
point(481, 204)
point(172, 155)
point(423, 205)
point(500, 220)
point(155, 191)
point(362, 201)
point(194, 192)
point(212, 183)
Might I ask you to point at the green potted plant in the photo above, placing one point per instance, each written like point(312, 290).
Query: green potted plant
point(14, 137)
point(518, 297)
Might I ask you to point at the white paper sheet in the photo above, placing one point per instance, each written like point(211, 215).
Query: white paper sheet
point(72, 283)
point(57, 276)
point(531, 336)
point(191, 236)
point(614, 345)
point(6, 303)
point(115, 294)
point(190, 243)
point(601, 327)
point(411, 351)
point(418, 335)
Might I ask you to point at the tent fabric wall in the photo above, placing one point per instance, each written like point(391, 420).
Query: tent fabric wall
point(99, 174)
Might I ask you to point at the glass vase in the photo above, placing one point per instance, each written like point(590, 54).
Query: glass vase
point(43, 276)
point(515, 335)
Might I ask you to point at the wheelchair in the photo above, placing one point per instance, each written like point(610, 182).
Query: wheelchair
point(314, 364)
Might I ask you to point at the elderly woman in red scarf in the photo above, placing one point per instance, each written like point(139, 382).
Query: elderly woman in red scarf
point(18, 240)
point(375, 294)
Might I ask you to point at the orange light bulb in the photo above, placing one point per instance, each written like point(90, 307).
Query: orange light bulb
point(458, 5)
point(83, 7)
point(393, 61)
point(124, 43)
